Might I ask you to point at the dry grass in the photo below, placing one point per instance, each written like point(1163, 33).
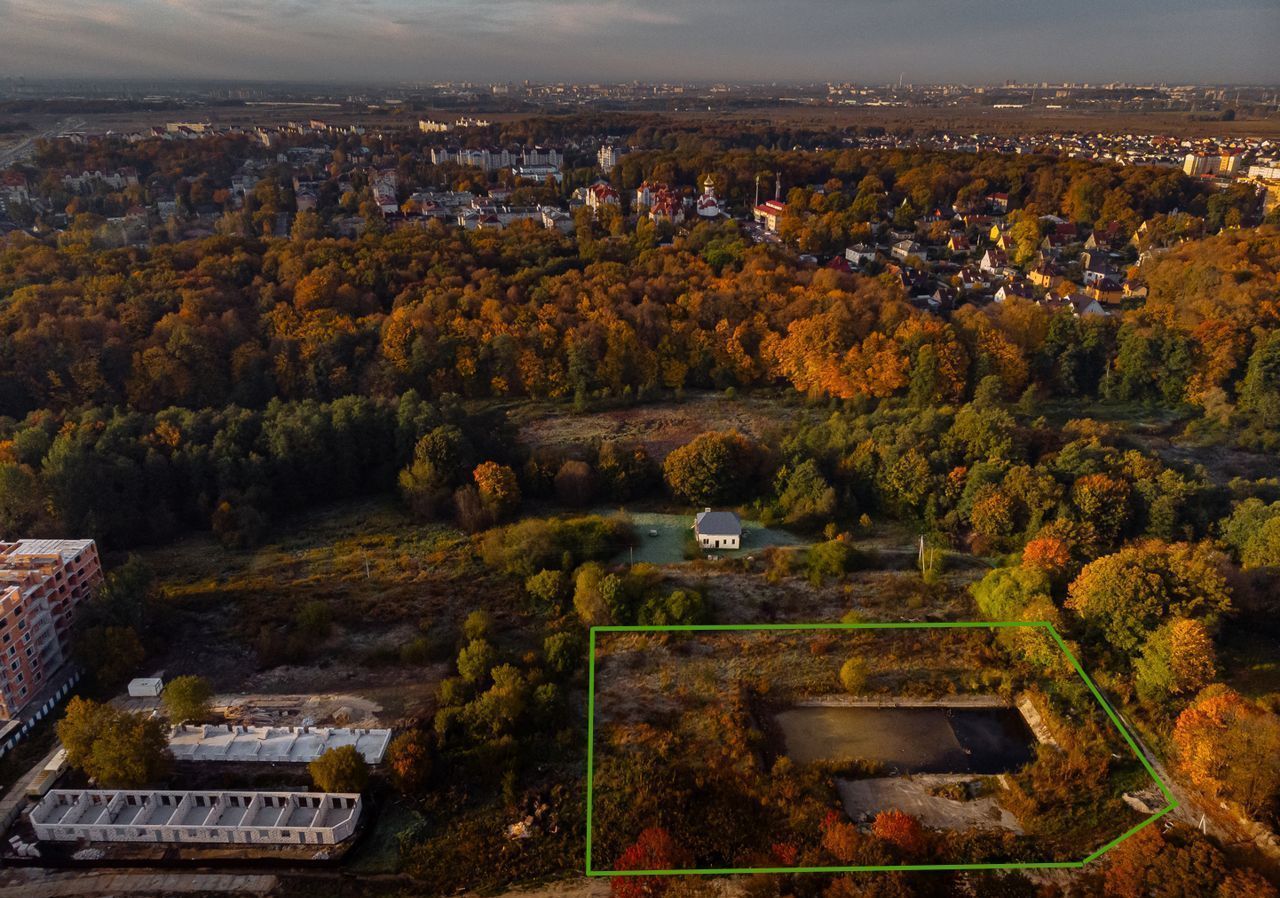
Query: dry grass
point(660, 427)
point(386, 580)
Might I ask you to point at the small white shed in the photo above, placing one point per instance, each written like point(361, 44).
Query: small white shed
point(146, 687)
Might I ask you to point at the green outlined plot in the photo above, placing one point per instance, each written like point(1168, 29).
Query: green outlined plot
point(1170, 801)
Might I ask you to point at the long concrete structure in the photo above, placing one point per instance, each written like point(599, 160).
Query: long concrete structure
point(247, 818)
point(292, 745)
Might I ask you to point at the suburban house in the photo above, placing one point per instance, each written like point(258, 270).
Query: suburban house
point(993, 261)
point(905, 249)
point(860, 254)
point(1014, 289)
point(601, 193)
point(717, 529)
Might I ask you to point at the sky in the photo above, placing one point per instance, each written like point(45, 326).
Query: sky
point(868, 41)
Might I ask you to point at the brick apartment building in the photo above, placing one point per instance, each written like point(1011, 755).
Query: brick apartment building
point(41, 583)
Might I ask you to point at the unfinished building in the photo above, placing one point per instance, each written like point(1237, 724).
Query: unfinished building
point(42, 582)
point(290, 745)
point(246, 818)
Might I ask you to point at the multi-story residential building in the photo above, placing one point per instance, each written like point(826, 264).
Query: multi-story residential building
point(42, 581)
point(609, 156)
point(548, 156)
point(1201, 163)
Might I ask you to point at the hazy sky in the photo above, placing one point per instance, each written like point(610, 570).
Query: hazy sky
point(864, 40)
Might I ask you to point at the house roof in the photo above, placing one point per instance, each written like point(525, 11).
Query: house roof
point(717, 523)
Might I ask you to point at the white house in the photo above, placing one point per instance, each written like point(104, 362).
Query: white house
point(717, 529)
point(860, 254)
point(905, 249)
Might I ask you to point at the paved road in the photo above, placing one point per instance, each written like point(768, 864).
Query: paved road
point(25, 148)
point(15, 799)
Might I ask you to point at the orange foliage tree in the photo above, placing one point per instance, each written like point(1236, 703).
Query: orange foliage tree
point(901, 830)
point(1230, 747)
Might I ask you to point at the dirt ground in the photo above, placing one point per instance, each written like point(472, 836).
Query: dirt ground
point(749, 597)
point(660, 428)
point(865, 798)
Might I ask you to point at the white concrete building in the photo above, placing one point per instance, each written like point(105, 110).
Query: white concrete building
point(246, 818)
point(718, 529)
point(291, 745)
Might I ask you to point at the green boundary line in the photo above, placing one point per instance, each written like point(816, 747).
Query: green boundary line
point(1172, 802)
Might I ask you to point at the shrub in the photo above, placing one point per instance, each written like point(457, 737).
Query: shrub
point(409, 761)
point(548, 589)
point(563, 652)
point(682, 606)
point(187, 698)
point(478, 625)
point(315, 620)
point(575, 483)
point(532, 545)
point(475, 660)
point(831, 559)
point(341, 769)
point(853, 676)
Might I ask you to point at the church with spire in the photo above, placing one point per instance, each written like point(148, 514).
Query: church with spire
point(709, 204)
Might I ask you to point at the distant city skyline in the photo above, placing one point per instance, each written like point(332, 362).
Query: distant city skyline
point(872, 41)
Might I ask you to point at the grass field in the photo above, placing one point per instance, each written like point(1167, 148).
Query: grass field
point(389, 585)
point(661, 538)
point(659, 427)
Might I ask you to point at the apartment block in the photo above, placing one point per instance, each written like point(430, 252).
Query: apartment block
point(42, 581)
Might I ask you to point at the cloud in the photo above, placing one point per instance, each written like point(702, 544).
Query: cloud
point(763, 40)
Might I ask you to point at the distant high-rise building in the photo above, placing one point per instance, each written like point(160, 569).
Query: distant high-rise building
point(609, 156)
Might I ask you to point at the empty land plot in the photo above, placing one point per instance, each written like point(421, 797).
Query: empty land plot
point(804, 730)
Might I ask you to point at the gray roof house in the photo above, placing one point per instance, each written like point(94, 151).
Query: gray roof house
point(717, 529)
